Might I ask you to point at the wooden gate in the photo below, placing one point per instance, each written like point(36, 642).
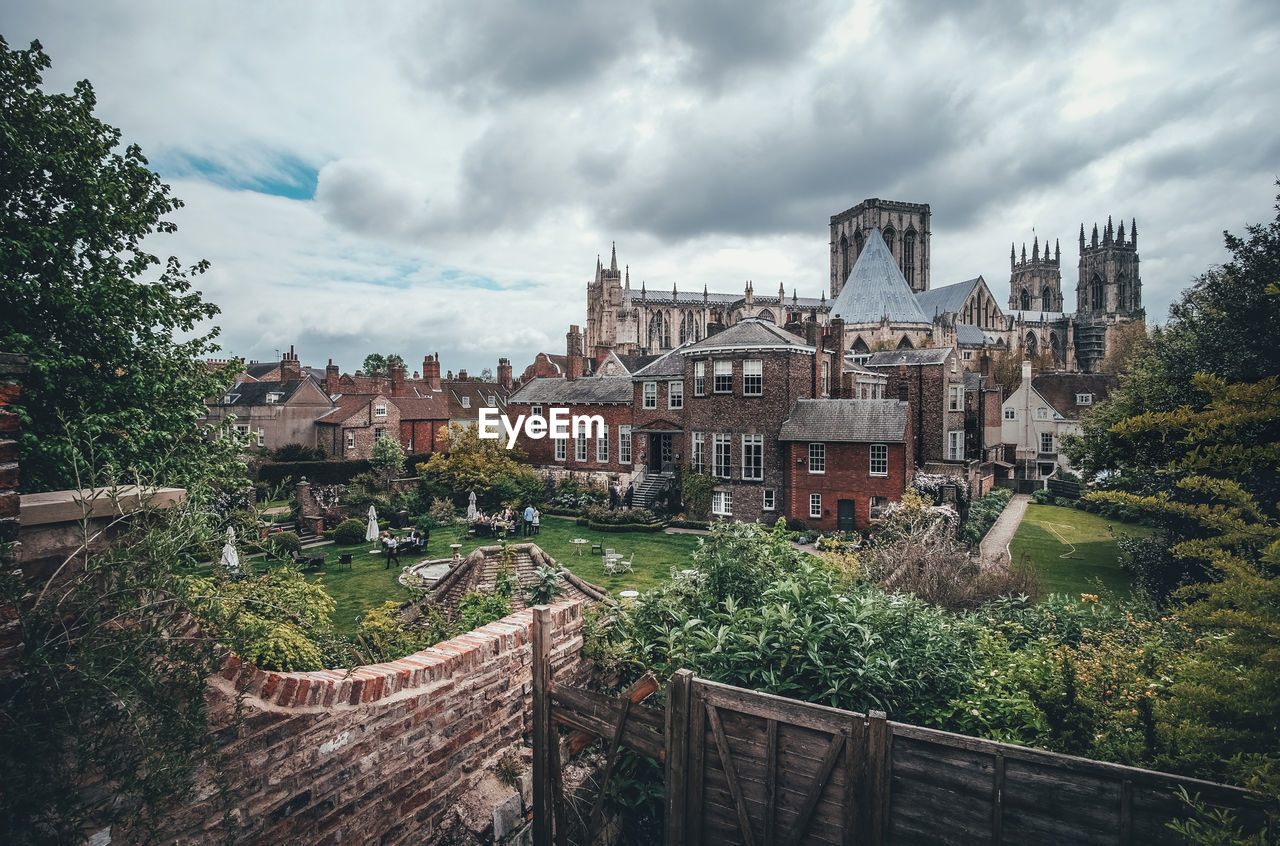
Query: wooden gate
point(743, 767)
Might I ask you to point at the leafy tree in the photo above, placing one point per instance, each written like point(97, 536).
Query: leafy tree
point(486, 467)
point(377, 364)
point(1125, 343)
point(387, 457)
point(98, 315)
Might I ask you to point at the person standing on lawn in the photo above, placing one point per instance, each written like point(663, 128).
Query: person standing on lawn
point(528, 520)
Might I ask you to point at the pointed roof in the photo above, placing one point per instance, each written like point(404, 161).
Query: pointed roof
point(876, 288)
point(948, 299)
point(750, 333)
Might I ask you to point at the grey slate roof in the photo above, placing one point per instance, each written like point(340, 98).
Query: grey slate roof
point(591, 390)
point(969, 334)
point(749, 333)
point(248, 394)
point(876, 288)
point(891, 358)
point(948, 299)
point(667, 364)
point(846, 420)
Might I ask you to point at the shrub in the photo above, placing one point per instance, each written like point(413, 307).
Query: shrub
point(983, 514)
point(1041, 496)
point(620, 516)
point(349, 532)
point(795, 524)
point(282, 544)
point(317, 472)
point(477, 609)
point(297, 452)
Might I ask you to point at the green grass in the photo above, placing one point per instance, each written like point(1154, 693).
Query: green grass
point(369, 583)
point(1073, 550)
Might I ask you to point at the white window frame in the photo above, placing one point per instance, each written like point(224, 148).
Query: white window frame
point(699, 456)
point(675, 393)
point(242, 431)
point(826, 378)
point(466, 402)
point(1042, 413)
point(649, 395)
point(879, 461)
point(815, 506)
point(752, 377)
point(1046, 438)
point(351, 439)
point(535, 411)
point(274, 397)
point(722, 503)
point(1011, 414)
point(624, 444)
point(721, 370)
point(955, 398)
point(1084, 399)
point(380, 410)
point(602, 445)
point(379, 434)
point(699, 378)
point(817, 458)
point(753, 453)
point(580, 448)
point(562, 449)
point(955, 445)
point(262, 440)
point(769, 500)
point(721, 442)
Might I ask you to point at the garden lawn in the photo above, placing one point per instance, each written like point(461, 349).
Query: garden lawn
point(369, 583)
point(1073, 550)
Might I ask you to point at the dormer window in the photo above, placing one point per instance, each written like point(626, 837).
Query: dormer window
point(380, 410)
point(230, 399)
point(466, 402)
point(274, 397)
point(492, 400)
point(1084, 399)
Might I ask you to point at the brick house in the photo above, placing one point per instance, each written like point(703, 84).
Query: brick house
point(608, 458)
point(845, 460)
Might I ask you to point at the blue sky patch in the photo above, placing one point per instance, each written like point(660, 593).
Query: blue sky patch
point(290, 176)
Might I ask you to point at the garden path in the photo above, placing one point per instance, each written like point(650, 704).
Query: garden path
point(994, 550)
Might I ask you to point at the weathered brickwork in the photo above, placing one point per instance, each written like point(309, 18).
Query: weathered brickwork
point(926, 387)
point(542, 452)
point(382, 754)
point(847, 477)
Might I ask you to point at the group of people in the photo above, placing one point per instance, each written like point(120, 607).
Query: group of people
point(527, 522)
point(415, 541)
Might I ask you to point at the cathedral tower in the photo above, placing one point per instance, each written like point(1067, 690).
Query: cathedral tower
point(904, 227)
point(1108, 291)
point(1035, 284)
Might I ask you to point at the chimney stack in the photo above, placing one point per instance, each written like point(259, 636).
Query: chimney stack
point(396, 372)
point(290, 367)
point(431, 372)
point(573, 351)
point(331, 378)
point(837, 365)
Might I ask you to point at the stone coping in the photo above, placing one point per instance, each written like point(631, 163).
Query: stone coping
point(41, 509)
point(327, 689)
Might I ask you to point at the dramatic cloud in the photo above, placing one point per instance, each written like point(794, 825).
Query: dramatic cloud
point(441, 177)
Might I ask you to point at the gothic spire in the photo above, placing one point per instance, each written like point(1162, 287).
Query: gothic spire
point(1095, 235)
point(1082, 236)
point(1012, 255)
point(1057, 251)
point(1120, 234)
point(613, 261)
point(1133, 232)
point(1024, 252)
point(1109, 235)
point(628, 282)
point(1035, 249)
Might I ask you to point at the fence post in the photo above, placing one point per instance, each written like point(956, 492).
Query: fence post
point(878, 776)
point(543, 735)
point(676, 747)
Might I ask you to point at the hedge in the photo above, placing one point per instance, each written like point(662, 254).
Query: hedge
point(317, 472)
point(689, 524)
point(625, 527)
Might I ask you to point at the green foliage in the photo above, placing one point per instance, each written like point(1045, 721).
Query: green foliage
point(377, 364)
point(485, 467)
point(384, 636)
point(983, 514)
point(477, 609)
point(277, 621)
point(387, 458)
point(350, 532)
point(99, 316)
point(1041, 497)
point(284, 544)
point(298, 452)
point(316, 472)
point(695, 492)
point(545, 586)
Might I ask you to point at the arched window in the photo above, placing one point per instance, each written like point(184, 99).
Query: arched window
point(1025, 300)
point(766, 315)
point(659, 332)
point(1095, 294)
point(689, 329)
point(845, 266)
point(860, 346)
point(905, 344)
point(1055, 347)
point(859, 240)
point(909, 257)
point(1031, 346)
point(888, 234)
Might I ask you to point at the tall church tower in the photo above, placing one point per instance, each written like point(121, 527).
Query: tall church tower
point(608, 302)
point(1108, 291)
point(904, 227)
point(1035, 284)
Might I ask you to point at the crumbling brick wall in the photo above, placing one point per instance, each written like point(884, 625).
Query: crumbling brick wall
point(383, 754)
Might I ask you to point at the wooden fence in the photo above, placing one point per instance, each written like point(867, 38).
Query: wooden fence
point(744, 767)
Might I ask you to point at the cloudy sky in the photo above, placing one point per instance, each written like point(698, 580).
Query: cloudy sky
point(440, 176)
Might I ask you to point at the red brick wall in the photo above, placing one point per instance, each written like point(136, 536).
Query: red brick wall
point(926, 390)
point(427, 436)
point(848, 476)
point(542, 451)
point(381, 754)
point(11, 369)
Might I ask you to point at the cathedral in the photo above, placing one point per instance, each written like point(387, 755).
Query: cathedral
point(880, 294)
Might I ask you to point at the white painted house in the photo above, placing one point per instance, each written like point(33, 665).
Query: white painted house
point(1043, 409)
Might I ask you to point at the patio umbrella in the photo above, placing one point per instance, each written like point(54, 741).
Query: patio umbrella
point(230, 558)
point(371, 534)
point(471, 508)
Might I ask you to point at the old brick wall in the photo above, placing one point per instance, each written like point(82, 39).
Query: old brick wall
point(12, 367)
point(383, 754)
point(541, 452)
point(848, 476)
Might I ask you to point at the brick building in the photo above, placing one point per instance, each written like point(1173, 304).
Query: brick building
point(845, 460)
point(611, 456)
